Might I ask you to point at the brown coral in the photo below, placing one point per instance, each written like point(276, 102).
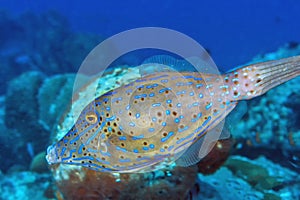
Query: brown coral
point(83, 183)
point(217, 156)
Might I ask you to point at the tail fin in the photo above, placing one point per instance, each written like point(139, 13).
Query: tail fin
point(256, 79)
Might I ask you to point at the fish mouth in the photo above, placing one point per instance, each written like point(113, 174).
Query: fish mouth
point(51, 156)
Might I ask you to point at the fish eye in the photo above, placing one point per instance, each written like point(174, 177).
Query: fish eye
point(91, 118)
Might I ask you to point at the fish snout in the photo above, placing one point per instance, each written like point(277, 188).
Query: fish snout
point(51, 156)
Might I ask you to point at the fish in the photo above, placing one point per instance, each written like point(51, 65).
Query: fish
point(164, 117)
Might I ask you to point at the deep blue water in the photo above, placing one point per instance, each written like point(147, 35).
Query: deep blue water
point(233, 31)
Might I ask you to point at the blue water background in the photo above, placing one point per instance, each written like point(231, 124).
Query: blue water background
point(233, 31)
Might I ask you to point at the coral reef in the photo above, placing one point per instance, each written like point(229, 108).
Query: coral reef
point(75, 182)
point(80, 183)
point(6, 138)
point(42, 42)
point(268, 118)
point(52, 106)
point(241, 178)
point(39, 163)
point(215, 159)
point(24, 185)
point(30, 98)
point(20, 103)
point(21, 118)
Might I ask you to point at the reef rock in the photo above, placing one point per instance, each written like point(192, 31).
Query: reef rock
point(80, 183)
point(242, 178)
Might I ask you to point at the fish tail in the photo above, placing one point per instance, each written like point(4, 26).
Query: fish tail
point(256, 79)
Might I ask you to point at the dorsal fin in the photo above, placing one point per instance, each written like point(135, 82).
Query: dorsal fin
point(169, 61)
point(164, 63)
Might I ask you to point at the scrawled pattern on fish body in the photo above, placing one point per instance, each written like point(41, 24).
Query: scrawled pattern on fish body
point(142, 123)
point(157, 117)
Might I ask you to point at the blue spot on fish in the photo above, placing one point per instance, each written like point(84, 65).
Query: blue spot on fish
point(135, 150)
point(131, 124)
point(125, 160)
point(167, 137)
point(145, 148)
point(138, 137)
point(156, 104)
point(151, 129)
point(62, 151)
point(151, 94)
point(208, 106)
point(122, 138)
point(164, 81)
point(169, 101)
point(121, 149)
point(199, 85)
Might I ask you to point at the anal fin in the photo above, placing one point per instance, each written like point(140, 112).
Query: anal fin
point(203, 146)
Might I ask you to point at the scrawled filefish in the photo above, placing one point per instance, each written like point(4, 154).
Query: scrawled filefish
point(161, 117)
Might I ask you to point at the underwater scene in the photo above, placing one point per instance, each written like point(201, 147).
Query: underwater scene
point(150, 100)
